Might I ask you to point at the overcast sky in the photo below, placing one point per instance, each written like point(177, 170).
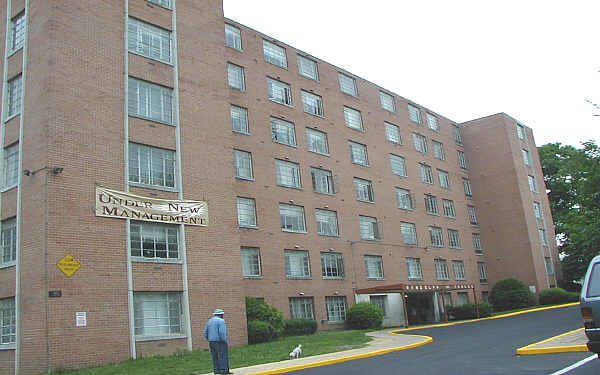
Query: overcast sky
point(537, 61)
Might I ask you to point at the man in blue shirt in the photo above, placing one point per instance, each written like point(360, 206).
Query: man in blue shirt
point(216, 334)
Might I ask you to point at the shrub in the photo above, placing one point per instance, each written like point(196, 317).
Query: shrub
point(469, 311)
point(510, 294)
point(294, 327)
point(573, 297)
point(554, 296)
point(364, 315)
point(259, 331)
point(259, 310)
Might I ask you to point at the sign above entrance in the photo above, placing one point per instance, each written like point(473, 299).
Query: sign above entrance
point(122, 205)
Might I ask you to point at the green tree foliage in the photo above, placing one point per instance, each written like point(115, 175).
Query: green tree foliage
point(364, 315)
point(510, 294)
point(573, 177)
point(259, 312)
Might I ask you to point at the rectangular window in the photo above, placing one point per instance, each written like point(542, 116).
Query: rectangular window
point(302, 308)
point(148, 40)
point(437, 238)
point(246, 208)
point(392, 133)
point(274, 54)
point(235, 77)
point(358, 154)
point(426, 174)
point(431, 205)
point(317, 141)
point(322, 181)
point(438, 150)
point(472, 215)
point(336, 308)
point(251, 262)
point(482, 272)
point(381, 302)
point(243, 164)
point(162, 3)
point(279, 92)
point(459, 269)
point(387, 101)
point(150, 101)
point(312, 103)
point(327, 223)
point(467, 186)
point(414, 269)
point(13, 105)
point(409, 233)
point(158, 314)
point(432, 122)
point(364, 190)
point(332, 265)
point(454, 239)
point(347, 85)
point(233, 37)
point(8, 232)
point(462, 162)
point(420, 142)
point(297, 264)
point(537, 210)
point(405, 201)
point(308, 68)
point(288, 174)
point(283, 132)
point(477, 243)
point(17, 32)
point(543, 238)
point(444, 178)
point(441, 269)
point(151, 166)
point(521, 131)
point(369, 228)
point(526, 157)
point(8, 321)
point(532, 184)
point(11, 166)
point(374, 267)
point(414, 114)
point(154, 240)
point(447, 298)
point(457, 136)
point(398, 165)
point(549, 265)
point(239, 119)
point(353, 118)
point(462, 298)
point(292, 218)
point(449, 210)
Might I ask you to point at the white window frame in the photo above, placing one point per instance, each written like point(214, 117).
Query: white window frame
point(392, 133)
point(458, 267)
point(251, 265)
point(17, 33)
point(462, 161)
point(347, 85)
point(537, 210)
point(454, 239)
point(364, 190)
point(142, 162)
point(163, 308)
point(164, 239)
point(441, 270)
point(369, 228)
point(149, 40)
point(405, 199)
point(444, 178)
point(381, 302)
point(288, 174)
point(467, 187)
point(297, 264)
point(387, 101)
point(358, 154)
point(336, 308)
point(457, 135)
point(532, 184)
point(426, 173)
point(415, 271)
point(438, 150)
point(526, 159)
point(420, 142)
point(436, 236)
point(433, 123)
point(14, 88)
point(414, 114)
point(431, 204)
point(317, 141)
point(292, 218)
point(398, 164)
point(246, 211)
point(279, 92)
point(322, 181)
point(332, 266)
point(163, 3)
point(236, 77)
point(274, 54)
point(327, 223)
point(242, 164)
point(312, 103)
point(521, 131)
point(8, 241)
point(472, 212)
point(8, 323)
point(150, 101)
point(308, 68)
point(11, 166)
point(374, 267)
point(302, 308)
point(449, 208)
point(239, 119)
point(409, 233)
point(477, 243)
point(481, 267)
point(353, 118)
point(543, 237)
point(283, 132)
point(233, 37)
point(549, 265)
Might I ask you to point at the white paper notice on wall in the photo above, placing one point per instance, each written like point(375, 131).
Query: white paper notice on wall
point(80, 319)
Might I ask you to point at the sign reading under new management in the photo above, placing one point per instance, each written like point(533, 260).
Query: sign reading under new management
point(122, 205)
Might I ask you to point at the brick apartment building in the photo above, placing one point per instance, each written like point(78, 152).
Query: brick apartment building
point(160, 161)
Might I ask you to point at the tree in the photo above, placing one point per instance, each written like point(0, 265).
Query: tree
point(573, 178)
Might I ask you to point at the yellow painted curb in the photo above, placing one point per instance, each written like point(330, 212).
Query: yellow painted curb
point(530, 350)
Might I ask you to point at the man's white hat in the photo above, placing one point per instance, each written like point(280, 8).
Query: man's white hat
point(218, 312)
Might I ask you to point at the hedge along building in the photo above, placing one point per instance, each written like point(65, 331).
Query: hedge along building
point(311, 183)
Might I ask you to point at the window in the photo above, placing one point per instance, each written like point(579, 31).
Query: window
point(279, 92)
point(462, 162)
point(151, 166)
point(322, 181)
point(297, 265)
point(414, 269)
point(288, 174)
point(420, 142)
point(369, 229)
point(358, 154)
point(449, 210)
point(467, 186)
point(432, 122)
point(454, 239)
point(239, 120)
point(251, 262)
point(283, 132)
point(307, 68)
point(472, 215)
point(447, 298)
point(387, 101)
point(353, 118)
point(549, 265)
point(537, 210)
point(462, 298)
point(336, 308)
point(543, 238)
point(482, 272)
point(444, 178)
point(243, 164)
point(327, 223)
point(312, 103)
point(405, 200)
point(246, 208)
point(374, 267)
point(438, 150)
point(235, 77)
point(409, 233)
point(364, 190)
point(8, 321)
point(426, 174)
point(477, 243)
point(302, 308)
point(459, 269)
point(414, 114)
point(317, 141)
point(11, 166)
point(441, 269)
point(532, 184)
point(457, 136)
point(154, 240)
point(347, 84)
point(332, 265)
point(526, 157)
point(233, 37)
point(274, 54)
point(431, 205)
point(437, 238)
point(292, 218)
point(14, 87)
point(9, 240)
point(398, 165)
point(148, 40)
point(381, 302)
point(521, 131)
point(392, 133)
point(162, 3)
point(150, 101)
point(17, 32)
point(157, 314)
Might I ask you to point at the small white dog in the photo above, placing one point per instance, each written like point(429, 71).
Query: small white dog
point(296, 352)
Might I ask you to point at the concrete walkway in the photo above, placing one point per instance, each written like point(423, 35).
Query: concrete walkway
point(572, 341)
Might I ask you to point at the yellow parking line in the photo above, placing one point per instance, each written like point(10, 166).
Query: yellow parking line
point(530, 350)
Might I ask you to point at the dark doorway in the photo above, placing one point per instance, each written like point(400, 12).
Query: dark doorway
point(419, 308)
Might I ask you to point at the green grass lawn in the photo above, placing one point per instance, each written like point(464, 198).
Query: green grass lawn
point(200, 362)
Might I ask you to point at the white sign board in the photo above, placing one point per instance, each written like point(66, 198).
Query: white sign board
point(80, 319)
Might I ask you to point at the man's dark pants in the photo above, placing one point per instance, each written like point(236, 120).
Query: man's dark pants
point(220, 356)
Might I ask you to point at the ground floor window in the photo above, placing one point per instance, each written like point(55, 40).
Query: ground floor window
point(463, 298)
point(158, 313)
point(7, 321)
point(336, 308)
point(302, 308)
point(380, 301)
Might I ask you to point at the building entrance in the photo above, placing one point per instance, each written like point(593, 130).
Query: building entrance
point(420, 308)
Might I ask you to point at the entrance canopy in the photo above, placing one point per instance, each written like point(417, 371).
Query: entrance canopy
point(398, 288)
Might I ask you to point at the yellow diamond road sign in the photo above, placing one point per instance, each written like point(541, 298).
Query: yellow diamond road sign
point(69, 265)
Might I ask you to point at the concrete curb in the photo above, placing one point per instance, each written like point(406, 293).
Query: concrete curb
point(531, 350)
